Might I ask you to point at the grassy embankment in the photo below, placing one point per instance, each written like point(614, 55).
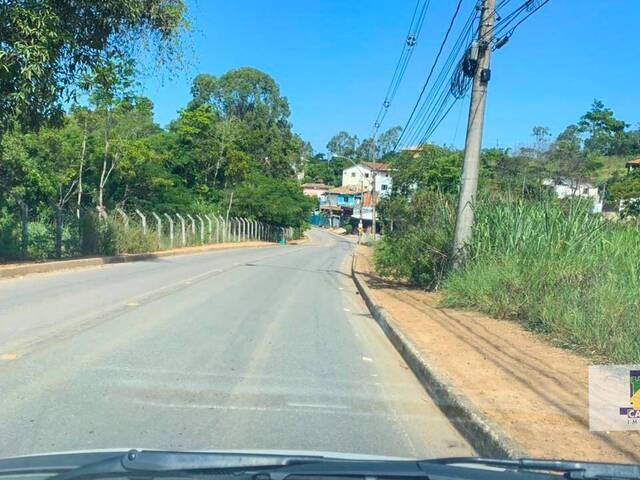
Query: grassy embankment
point(552, 266)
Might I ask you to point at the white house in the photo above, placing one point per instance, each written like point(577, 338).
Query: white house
point(361, 175)
point(566, 187)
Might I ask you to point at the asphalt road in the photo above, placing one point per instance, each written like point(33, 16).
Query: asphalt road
point(260, 348)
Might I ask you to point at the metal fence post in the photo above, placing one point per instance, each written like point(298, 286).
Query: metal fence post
point(201, 228)
point(210, 228)
point(170, 229)
point(223, 229)
point(193, 227)
point(184, 232)
point(125, 217)
point(58, 236)
point(217, 219)
point(245, 228)
point(158, 228)
point(143, 220)
point(24, 223)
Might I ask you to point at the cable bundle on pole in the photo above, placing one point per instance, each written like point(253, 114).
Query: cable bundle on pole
point(455, 75)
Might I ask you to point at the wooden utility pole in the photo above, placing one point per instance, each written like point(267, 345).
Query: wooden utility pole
point(473, 142)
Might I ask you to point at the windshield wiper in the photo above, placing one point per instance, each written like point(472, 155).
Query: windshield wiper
point(153, 463)
point(258, 466)
point(570, 469)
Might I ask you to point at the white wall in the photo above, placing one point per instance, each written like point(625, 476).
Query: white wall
point(357, 176)
point(583, 190)
point(362, 176)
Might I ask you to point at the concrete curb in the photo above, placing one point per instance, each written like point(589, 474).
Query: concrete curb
point(46, 267)
point(483, 435)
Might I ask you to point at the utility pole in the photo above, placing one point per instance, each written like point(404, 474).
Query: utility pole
point(373, 178)
point(473, 141)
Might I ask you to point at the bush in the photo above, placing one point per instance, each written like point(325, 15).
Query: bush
point(116, 238)
point(9, 238)
point(348, 228)
point(41, 241)
point(417, 245)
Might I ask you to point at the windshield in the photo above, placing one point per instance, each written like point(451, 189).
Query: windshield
point(405, 230)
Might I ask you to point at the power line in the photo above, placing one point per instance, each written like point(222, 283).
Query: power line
point(412, 129)
point(440, 100)
point(433, 66)
point(415, 27)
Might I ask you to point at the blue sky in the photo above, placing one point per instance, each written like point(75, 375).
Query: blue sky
point(333, 60)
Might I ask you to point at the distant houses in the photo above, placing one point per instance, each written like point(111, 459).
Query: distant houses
point(315, 189)
point(632, 165)
point(362, 175)
point(566, 188)
point(354, 198)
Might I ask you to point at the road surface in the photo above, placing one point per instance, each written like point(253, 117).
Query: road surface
point(258, 348)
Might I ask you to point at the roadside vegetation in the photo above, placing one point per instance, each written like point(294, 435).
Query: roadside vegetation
point(77, 141)
point(548, 263)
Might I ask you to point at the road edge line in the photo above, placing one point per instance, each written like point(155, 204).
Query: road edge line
point(61, 265)
point(484, 436)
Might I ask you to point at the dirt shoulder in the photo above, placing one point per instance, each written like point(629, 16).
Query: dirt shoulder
point(534, 391)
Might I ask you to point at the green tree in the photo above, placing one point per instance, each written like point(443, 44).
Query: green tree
point(48, 45)
point(277, 201)
point(109, 85)
point(567, 159)
point(388, 140)
point(251, 103)
point(604, 132)
point(434, 168)
point(342, 143)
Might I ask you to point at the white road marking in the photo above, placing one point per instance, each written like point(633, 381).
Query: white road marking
point(319, 405)
point(367, 359)
point(289, 410)
point(346, 310)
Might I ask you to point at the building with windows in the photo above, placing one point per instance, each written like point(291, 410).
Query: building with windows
point(361, 175)
point(566, 187)
point(315, 189)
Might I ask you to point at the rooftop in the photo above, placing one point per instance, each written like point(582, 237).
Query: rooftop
point(316, 186)
point(380, 167)
point(347, 189)
point(634, 163)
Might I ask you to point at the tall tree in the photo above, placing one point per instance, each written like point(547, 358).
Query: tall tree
point(388, 139)
point(109, 84)
point(342, 143)
point(604, 131)
point(48, 45)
